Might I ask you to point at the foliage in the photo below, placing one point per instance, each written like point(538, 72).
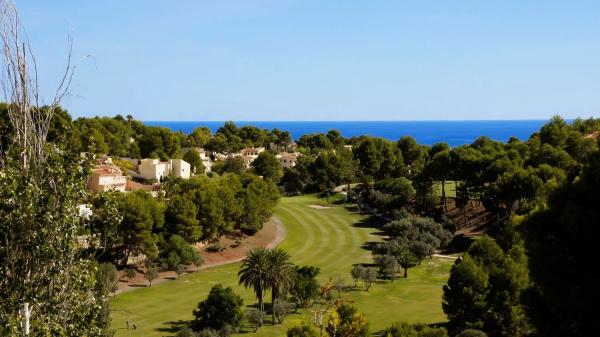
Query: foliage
point(346, 321)
point(304, 330)
point(484, 291)
point(267, 166)
point(41, 261)
point(357, 273)
point(180, 217)
point(221, 308)
point(560, 240)
point(368, 277)
point(255, 317)
point(193, 158)
point(152, 274)
point(280, 277)
point(471, 333)
point(305, 288)
point(254, 273)
point(403, 329)
point(281, 308)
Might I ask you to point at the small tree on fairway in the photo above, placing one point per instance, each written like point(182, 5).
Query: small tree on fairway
point(256, 318)
point(281, 308)
point(221, 308)
point(357, 273)
point(151, 274)
point(370, 276)
point(339, 286)
point(130, 274)
point(304, 330)
point(306, 287)
point(180, 269)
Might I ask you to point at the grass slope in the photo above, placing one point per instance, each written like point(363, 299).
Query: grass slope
point(332, 239)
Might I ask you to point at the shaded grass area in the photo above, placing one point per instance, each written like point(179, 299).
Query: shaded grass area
point(334, 239)
point(450, 188)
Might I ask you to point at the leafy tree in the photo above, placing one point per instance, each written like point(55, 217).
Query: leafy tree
point(256, 318)
point(484, 291)
point(357, 273)
point(388, 266)
point(151, 274)
point(346, 321)
point(130, 273)
point(180, 217)
point(104, 222)
point(267, 166)
point(199, 137)
point(465, 294)
point(221, 308)
point(107, 278)
point(136, 227)
point(560, 240)
point(193, 158)
point(232, 164)
point(281, 308)
point(254, 273)
point(305, 287)
point(369, 276)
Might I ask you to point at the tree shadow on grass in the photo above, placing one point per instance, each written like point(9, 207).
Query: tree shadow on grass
point(173, 326)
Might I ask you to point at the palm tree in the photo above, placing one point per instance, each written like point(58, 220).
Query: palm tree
point(280, 276)
point(253, 273)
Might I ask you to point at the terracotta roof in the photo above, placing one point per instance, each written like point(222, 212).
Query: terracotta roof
point(107, 170)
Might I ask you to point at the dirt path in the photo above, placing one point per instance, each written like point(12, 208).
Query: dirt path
point(271, 235)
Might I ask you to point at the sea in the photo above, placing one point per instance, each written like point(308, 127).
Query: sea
point(455, 133)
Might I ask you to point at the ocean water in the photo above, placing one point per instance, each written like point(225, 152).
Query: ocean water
point(454, 133)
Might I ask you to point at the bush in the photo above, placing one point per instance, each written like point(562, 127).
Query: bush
point(471, 333)
point(255, 317)
point(222, 308)
point(403, 329)
point(179, 251)
point(304, 330)
point(215, 247)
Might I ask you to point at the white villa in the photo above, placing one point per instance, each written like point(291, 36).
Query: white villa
point(287, 160)
point(106, 178)
point(156, 169)
point(252, 152)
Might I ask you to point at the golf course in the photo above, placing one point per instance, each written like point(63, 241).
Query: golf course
point(330, 237)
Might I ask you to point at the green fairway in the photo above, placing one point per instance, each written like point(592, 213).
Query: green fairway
point(330, 238)
point(450, 188)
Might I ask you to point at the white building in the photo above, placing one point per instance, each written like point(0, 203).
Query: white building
point(252, 152)
point(106, 178)
point(287, 160)
point(156, 169)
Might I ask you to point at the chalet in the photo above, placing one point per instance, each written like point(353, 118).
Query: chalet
point(288, 160)
point(158, 170)
point(106, 178)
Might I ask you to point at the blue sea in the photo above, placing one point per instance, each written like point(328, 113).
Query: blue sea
point(454, 133)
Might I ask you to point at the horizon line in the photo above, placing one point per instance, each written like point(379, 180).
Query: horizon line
point(361, 120)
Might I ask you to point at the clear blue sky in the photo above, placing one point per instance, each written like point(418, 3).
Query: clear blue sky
point(323, 60)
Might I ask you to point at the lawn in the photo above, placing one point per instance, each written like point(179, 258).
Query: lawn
point(330, 238)
point(450, 188)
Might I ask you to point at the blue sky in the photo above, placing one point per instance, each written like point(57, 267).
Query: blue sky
point(323, 60)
